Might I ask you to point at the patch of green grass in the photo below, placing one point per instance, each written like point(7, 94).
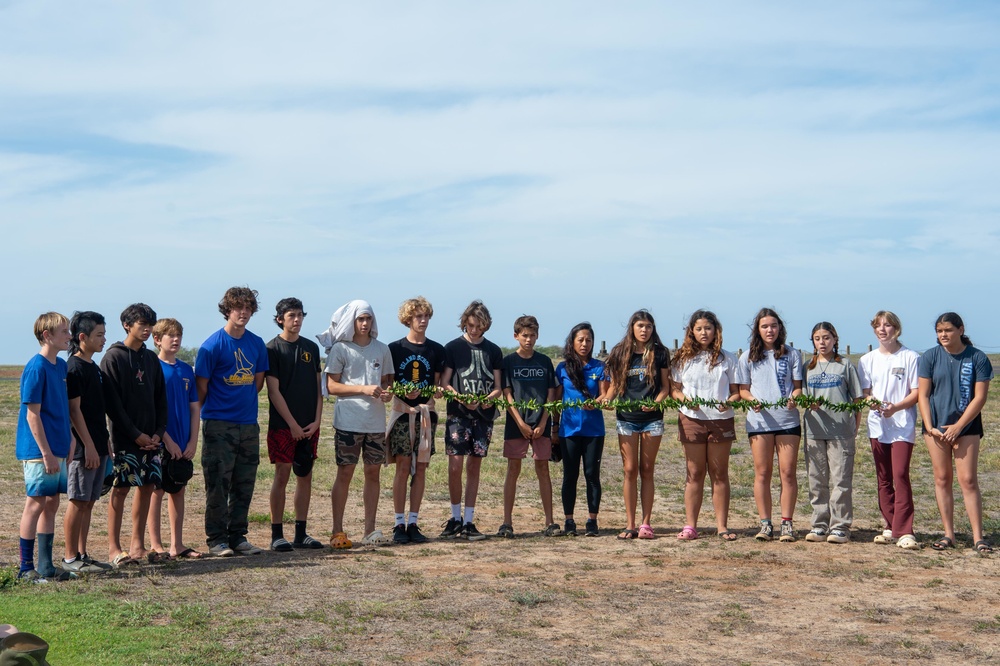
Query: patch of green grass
point(527, 598)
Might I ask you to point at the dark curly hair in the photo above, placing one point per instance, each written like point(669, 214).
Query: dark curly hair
point(238, 297)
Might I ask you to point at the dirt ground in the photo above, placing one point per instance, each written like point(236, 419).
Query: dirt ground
point(566, 600)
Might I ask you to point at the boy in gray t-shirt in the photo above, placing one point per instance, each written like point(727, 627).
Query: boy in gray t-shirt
point(358, 370)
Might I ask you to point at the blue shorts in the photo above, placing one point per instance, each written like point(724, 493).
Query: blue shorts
point(653, 428)
point(39, 484)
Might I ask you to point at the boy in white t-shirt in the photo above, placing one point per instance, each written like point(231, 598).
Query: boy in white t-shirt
point(358, 370)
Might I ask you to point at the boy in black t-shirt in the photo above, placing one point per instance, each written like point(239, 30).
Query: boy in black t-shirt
point(294, 391)
point(527, 376)
point(418, 362)
point(471, 366)
point(90, 458)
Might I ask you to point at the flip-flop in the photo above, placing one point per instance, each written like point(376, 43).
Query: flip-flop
point(155, 556)
point(189, 554)
point(728, 535)
point(628, 535)
point(123, 559)
point(944, 543)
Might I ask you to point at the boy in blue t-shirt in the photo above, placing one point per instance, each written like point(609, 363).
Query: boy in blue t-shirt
point(180, 440)
point(527, 376)
point(229, 372)
point(44, 442)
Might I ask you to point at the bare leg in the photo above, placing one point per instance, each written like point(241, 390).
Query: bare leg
point(303, 493)
point(86, 511)
point(140, 509)
point(788, 456)
point(71, 527)
point(116, 510)
point(941, 461)
point(34, 507)
point(154, 519)
point(175, 511)
point(718, 470)
point(649, 446)
point(545, 489)
point(966, 466)
point(696, 456)
point(278, 488)
point(455, 465)
point(399, 482)
point(472, 465)
point(371, 490)
point(417, 487)
point(629, 447)
point(762, 448)
point(510, 489)
point(338, 495)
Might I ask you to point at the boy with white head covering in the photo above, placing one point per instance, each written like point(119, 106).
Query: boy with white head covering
point(358, 369)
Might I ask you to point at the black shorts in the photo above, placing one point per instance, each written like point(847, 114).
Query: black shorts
point(796, 431)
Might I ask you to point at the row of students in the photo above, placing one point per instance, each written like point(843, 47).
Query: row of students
point(155, 406)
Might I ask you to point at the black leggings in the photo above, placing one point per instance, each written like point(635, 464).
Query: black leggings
point(590, 449)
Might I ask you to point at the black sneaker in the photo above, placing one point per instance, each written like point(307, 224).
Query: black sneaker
point(451, 529)
point(506, 531)
point(592, 528)
point(470, 532)
point(766, 532)
point(570, 528)
point(399, 535)
point(416, 536)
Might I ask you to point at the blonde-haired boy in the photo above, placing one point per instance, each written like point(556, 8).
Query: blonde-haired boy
point(43, 443)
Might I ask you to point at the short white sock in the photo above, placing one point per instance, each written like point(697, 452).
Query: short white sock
point(456, 512)
point(469, 510)
point(413, 518)
point(400, 518)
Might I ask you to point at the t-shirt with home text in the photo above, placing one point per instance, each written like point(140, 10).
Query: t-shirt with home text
point(178, 379)
point(43, 383)
point(472, 372)
point(771, 380)
point(638, 385)
point(359, 366)
point(953, 378)
point(890, 378)
point(230, 365)
point(296, 365)
point(85, 381)
point(416, 364)
point(528, 379)
point(837, 382)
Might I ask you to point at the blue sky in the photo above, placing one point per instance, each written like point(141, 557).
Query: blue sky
point(571, 160)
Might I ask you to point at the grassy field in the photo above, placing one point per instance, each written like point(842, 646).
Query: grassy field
point(532, 599)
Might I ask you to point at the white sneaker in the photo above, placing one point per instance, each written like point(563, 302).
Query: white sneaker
point(816, 534)
point(838, 536)
point(884, 538)
point(246, 548)
point(908, 542)
point(221, 550)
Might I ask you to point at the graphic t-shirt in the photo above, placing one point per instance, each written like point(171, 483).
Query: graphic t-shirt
point(702, 380)
point(890, 378)
point(575, 420)
point(181, 392)
point(528, 379)
point(771, 380)
point(359, 366)
point(84, 381)
point(953, 378)
point(416, 364)
point(230, 365)
point(44, 383)
point(637, 386)
point(837, 382)
point(296, 365)
point(472, 372)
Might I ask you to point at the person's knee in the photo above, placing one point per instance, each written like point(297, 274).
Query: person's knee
point(282, 472)
point(542, 469)
point(373, 473)
point(968, 481)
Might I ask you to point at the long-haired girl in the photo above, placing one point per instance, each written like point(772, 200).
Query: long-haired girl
point(639, 368)
point(581, 377)
point(829, 437)
point(953, 387)
point(889, 374)
point(771, 371)
point(703, 369)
